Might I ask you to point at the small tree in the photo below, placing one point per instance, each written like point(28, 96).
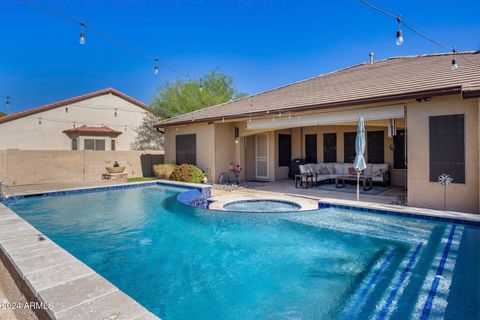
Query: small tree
point(182, 96)
point(148, 138)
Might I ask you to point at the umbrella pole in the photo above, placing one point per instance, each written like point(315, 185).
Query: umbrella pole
point(358, 185)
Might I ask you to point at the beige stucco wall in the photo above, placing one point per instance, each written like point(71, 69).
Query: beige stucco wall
point(22, 167)
point(27, 134)
point(205, 144)
point(421, 192)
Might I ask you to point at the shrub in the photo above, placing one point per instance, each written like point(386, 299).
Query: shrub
point(163, 171)
point(116, 165)
point(188, 173)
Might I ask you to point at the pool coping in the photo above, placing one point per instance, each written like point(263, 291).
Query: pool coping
point(403, 211)
point(61, 284)
point(218, 203)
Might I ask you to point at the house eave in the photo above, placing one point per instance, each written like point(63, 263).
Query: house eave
point(389, 98)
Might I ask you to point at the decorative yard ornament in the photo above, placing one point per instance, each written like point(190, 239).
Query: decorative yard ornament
point(445, 180)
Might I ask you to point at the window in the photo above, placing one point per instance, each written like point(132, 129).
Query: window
point(186, 148)
point(311, 148)
point(399, 151)
point(349, 146)
point(376, 147)
point(112, 146)
point(100, 145)
point(89, 144)
point(330, 147)
point(75, 144)
point(284, 150)
point(94, 144)
point(447, 147)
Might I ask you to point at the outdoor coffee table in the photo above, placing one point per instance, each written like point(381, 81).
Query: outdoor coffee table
point(366, 181)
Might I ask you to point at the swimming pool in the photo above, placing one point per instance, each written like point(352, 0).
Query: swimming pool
point(186, 263)
point(261, 206)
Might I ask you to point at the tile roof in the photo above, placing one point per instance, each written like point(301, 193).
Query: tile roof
point(93, 130)
point(385, 80)
point(69, 101)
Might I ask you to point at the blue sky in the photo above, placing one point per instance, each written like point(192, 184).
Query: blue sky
point(261, 44)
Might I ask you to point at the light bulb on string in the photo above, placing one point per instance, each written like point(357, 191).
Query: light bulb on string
point(82, 34)
point(399, 40)
point(454, 61)
point(156, 66)
point(7, 102)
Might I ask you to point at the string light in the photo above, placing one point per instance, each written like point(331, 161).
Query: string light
point(66, 109)
point(399, 40)
point(454, 61)
point(156, 66)
point(39, 121)
point(82, 33)
point(109, 38)
point(115, 114)
point(7, 102)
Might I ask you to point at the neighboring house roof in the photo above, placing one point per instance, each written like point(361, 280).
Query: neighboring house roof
point(86, 130)
point(386, 80)
point(73, 100)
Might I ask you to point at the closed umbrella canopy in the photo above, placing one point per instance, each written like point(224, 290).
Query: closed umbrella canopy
point(359, 163)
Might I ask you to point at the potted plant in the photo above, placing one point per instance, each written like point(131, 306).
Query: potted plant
point(115, 168)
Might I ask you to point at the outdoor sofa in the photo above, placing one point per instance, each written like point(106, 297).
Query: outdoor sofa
point(328, 172)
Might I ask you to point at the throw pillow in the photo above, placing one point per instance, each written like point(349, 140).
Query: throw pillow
point(377, 173)
point(352, 171)
point(324, 171)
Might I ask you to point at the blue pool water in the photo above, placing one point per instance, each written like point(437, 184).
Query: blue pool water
point(185, 263)
point(261, 206)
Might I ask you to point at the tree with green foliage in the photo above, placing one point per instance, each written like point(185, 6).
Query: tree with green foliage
point(148, 138)
point(2, 114)
point(179, 97)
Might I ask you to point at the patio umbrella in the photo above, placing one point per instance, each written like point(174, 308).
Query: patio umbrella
point(359, 163)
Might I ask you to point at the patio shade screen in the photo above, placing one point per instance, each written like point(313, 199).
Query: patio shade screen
point(326, 118)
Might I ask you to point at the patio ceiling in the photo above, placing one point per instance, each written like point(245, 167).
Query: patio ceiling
point(327, 118)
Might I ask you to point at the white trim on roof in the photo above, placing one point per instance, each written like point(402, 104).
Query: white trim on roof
point(325, 118)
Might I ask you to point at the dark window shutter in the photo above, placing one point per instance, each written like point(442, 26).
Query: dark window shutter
point(186, 148)
point(399, 152)
point(447, 147)
point(376, 146)
point(311, 148)
point(330, 147)
point(349, 146)
point(284, 150)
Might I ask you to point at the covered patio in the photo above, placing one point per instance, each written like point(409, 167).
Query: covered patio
point(327, 139)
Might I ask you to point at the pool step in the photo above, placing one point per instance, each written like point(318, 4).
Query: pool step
point(401, 230)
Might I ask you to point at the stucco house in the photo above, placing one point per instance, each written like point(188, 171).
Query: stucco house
point(100, 120)
point(422, 119)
